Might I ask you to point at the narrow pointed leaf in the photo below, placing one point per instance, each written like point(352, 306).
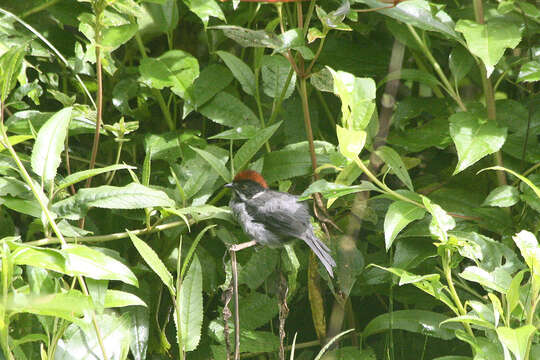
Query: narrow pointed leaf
point(394, 162)
point(191, 306)
point(240, 70)
point(250, 147)
point(153, 261)
point(215, 163)
point(85, 174)
point(50, 144)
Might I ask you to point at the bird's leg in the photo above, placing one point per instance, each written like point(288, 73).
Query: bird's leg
point(244, 245)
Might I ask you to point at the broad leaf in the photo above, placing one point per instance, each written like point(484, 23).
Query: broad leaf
point(70, 305)
point(50, 144)
point(357, 99)
point(204, 9)
point(275, 71)
point(351, 142)
point(502, 196)
point(418, 321)
point(516, 340)
point(529, 71)
point(86, 261)
point(417, 13)
point(175, 69)
point(489, 41)
point(399, 215)
point(474, 138)
point(132, 196)
point(114, 335)
point(227, 110)
point(114, 36)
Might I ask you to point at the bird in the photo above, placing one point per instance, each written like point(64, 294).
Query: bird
point(271, 218)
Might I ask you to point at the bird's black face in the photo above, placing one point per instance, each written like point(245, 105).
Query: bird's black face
point(245, 189)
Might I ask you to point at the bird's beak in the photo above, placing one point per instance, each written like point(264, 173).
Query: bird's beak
point(229, 185)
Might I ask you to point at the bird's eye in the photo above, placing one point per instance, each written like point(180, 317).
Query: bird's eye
point(243, 186)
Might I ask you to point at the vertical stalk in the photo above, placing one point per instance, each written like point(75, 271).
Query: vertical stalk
point(98, 9)
point(307, 123)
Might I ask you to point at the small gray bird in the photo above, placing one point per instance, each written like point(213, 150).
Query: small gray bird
point(272, 217)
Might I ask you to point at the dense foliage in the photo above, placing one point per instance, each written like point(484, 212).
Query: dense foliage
point(411, 127)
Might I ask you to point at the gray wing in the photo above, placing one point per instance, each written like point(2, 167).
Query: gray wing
point(280, 213)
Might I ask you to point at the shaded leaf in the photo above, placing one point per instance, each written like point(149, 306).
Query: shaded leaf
point(474, 139)
point(399, 215)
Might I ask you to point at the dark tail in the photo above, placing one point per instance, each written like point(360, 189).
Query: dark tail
point(321, 250)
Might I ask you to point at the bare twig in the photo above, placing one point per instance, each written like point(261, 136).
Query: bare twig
point(236, 307)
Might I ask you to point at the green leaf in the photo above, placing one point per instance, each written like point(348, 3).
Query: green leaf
point(418, 13)
point(215, 163)
point(502, 196)
point(520, 177)
point(114, 36)
point(351, 142)
point(158, 17)
point(333, 190)
point(471, 319)
point(86, 261)
point(10, 67)
point(212, 80)
point(513, 293)
point(394, 162)
point(429, 284)
point(227, 110)
point(498, 280)
point(114, 333)
point(50, 144)
point(44, 258)
point(529, 72)
point(434, 133)
point(240, 70)
point(85, 174)
point(176, 69)
point(423, 322)
point(474, 138)
point(153, 261)
point(528, 246)
point(357, 99)
point(117, 298)
point(399, 215)
point(257, 310)
point(191, 306)
point(260, 265)
point(132, 196)
point(516, 340)
point(489, 41)
point(250, 38)
point(275, 71)
point(16, 139)
point(249, 148)
point(460, 62)
point(204, 9)
point(70, 305)
point(441, 222)
point(412, 75)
